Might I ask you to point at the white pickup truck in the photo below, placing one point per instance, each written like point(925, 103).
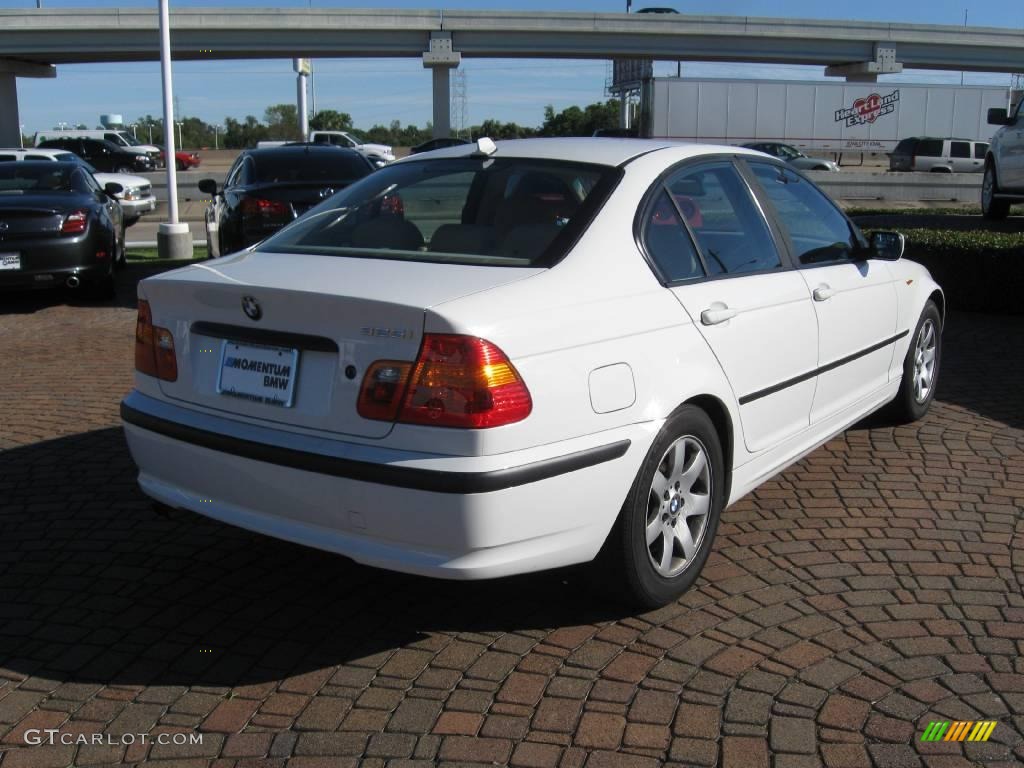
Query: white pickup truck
point(378, 154)
point(1003, 184)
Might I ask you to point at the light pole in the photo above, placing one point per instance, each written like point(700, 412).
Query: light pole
point(21, 136)
point(216, 132)
point(181, 144)
point(173, 239)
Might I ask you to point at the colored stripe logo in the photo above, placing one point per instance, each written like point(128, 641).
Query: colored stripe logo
point(958, 730)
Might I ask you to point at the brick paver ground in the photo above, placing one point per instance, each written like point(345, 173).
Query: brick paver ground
point(869, 589)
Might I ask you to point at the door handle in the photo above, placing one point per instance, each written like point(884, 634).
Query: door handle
point(823, 292)
point(716, 313)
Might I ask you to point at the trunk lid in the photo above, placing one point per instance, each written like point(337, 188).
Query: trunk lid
point(27, 218)
point(340, 314)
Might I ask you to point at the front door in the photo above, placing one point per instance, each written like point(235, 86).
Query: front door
point(752, 309)
point(854, 298)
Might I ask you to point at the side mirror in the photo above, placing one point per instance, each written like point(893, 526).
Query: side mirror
point(998, 116)
point(888, 245)
point(112, 188)
point(209, 186)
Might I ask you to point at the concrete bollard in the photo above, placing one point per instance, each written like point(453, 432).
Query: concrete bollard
point(174, 241)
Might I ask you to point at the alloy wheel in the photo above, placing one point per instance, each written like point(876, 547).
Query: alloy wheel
point(924, 361)
point(678, 506)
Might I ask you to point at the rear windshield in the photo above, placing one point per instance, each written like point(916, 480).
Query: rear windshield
point(38, 177)
point(286, 167)
point(488, 211)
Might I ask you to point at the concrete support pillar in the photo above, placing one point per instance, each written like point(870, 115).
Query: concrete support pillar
point(442, 102)
point(624, 110)
point(442, 58)
point(10, 125)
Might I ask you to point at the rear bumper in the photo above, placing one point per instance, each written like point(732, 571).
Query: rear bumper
point(452, 517)
point(48, 262)
point(134, 208)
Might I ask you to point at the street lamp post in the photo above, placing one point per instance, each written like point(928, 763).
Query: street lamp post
point(173, 239)
point(181, 144)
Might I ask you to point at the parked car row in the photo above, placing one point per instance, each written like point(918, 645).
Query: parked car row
point(136, 195)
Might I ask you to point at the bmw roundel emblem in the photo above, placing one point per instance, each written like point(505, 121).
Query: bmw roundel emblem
point(251, 307)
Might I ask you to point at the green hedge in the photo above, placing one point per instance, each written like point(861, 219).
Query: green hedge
point(979, 271)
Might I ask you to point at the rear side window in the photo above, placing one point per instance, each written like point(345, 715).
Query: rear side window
point(7, 158)
point(959, 149)
point(818, 232)
point(472, 210)
point(929, 148)
point(980, 150)
point(905, 147)
point(731, 233)
point(667, 241)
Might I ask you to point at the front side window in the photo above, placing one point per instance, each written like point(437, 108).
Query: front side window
point(980, 150)
point(730, 230)
point(486, 211)
point(817, 231)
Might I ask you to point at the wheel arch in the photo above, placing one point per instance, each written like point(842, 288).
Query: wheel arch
point(940, 301)
point(722, 421)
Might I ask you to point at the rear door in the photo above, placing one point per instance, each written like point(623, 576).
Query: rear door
point(854, 299)
point(960, 156)
point(751, 307)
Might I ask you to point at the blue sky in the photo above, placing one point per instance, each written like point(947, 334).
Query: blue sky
point(380, 90)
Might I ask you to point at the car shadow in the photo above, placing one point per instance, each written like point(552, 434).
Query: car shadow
point(981, 370)
point(101, 586)
point(125, 281)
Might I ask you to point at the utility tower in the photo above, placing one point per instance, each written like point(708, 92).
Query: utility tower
point(459, 101)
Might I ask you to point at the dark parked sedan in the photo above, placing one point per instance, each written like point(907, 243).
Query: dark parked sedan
point(58, 227)
point(103, 155)
point(268, 188)
point(440, 143)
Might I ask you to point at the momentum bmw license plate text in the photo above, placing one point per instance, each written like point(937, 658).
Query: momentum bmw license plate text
point(258, 373)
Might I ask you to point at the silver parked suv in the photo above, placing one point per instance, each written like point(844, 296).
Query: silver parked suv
point(1003, 184)
point(923, 153)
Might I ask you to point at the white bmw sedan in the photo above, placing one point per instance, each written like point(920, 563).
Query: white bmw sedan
point(488, 360)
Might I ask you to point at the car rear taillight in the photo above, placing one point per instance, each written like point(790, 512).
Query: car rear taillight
point(75, 223)
point(268, 209)
point(154, 347)
point(457, 381)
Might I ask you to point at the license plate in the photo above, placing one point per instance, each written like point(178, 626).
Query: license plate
point(10, 261)
point(258, 373)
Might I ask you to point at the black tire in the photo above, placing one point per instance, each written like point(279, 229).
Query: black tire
point(991, 207)
point(912, 403)
point(627, 558)
point(103, 289)
point(179, 165)
point(118, 252)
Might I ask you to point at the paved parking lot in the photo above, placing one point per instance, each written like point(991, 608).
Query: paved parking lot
point(872, 588)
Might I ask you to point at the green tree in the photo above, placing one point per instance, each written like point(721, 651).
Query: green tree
point(573, 121)
point(331, 120)
point(241, 135)
point(282, 122)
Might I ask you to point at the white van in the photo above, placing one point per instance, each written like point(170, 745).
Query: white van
point(120, 138)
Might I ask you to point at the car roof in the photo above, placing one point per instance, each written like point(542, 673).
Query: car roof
point(299, 149)
point(54, 153)
point(591, 149)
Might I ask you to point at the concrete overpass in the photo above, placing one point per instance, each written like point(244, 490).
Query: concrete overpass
point(32, 41)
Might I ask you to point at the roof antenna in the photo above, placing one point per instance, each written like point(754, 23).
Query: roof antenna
point(484, 147)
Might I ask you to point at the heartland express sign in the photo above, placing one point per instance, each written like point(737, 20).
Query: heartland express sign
point(868, 109)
